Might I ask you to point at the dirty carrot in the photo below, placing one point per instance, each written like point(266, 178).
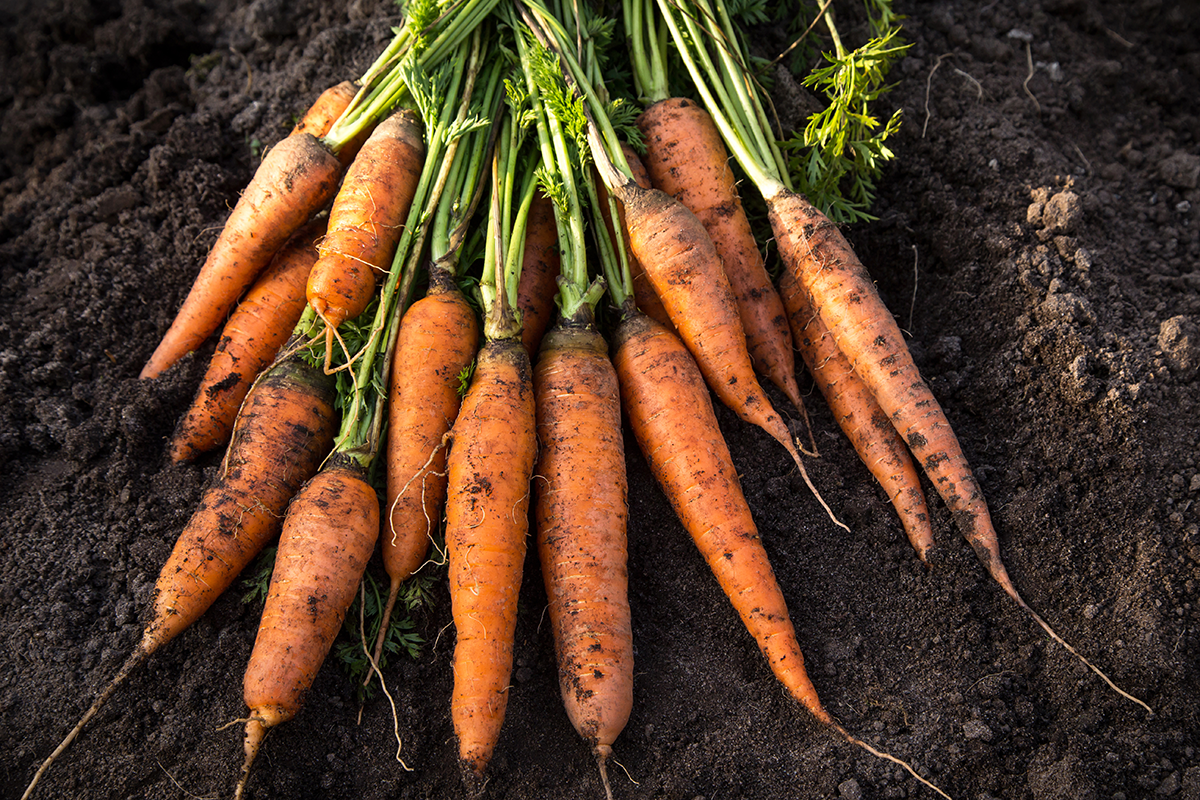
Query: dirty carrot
point(859, 416)
point(285, 428)
point(539, 272)
point(248, 342)
point(671, 415)
point(366, 220)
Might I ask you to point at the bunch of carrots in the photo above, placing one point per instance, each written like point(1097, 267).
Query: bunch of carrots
point(484, 161)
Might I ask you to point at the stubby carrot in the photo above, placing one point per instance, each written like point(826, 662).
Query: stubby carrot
point(859, 416)
point(296, 178)
point(581, 515)
point(285, 428)
point(250, 339)
point(327, 539)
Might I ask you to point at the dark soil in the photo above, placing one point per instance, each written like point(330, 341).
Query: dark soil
point(1038, 238)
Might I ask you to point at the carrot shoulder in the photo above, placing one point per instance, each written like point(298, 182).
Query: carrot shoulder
point(581, 515)
point(859, 416)
point(250, 339)
point(296, 178)
point(490, 464)
point(686, 158)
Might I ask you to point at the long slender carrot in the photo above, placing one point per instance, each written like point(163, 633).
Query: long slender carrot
point(315, 579)
point(671, 415)
point(540, 262)
point(687, 159)
point(824, 264)
point(250, 339)
point(284, 429)
point(296, 178)
point(367, 219)
point(859, 416)
point(491, 461)
point(581, 515)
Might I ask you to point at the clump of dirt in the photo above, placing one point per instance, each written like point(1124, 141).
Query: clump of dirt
point(1038, 238)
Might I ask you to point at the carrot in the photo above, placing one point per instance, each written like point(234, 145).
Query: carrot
point(859, 416)
point(823, 263)
point(366, 220)
point(326, 109)
point(248, 342)
point(687, 159)
point(296, 178)
point(491, 460)
point(669, 410)
point(327, 538)
point(539, 271)
point(581, 517)
point(284, 430)
point(438, 338)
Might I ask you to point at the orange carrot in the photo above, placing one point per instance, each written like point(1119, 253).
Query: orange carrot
point(254, 333)
point(367, 219)
point(687, 274)
point(838, 285)
point(327, 538)
point(581, 516)
point(326, 109)
point(285, 428)
point(859, 416)
point(491, 460)
point(439, 336)
point(539, 272)
point(297, 177)
point(687, 159)
point(669, 410)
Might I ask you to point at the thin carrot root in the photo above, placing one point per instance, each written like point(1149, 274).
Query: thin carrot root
point(603, 753)
point(886, 757)
point(256, 731)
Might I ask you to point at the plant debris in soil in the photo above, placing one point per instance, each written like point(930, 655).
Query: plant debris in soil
point(1038, 239)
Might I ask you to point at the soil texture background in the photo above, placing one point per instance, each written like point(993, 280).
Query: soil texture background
point(1038, 239)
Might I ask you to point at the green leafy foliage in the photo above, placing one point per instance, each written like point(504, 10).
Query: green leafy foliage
point(839, 156)
point(258, 579)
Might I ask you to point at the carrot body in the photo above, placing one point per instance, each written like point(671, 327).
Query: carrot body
point(254, 333)
point(367, 219)
point(328, 536)
point(438, 338)
point(296, 178)
point(284, 430)
point(490, 464)
point(686, 158)
point(581, 515)
point(859, 416)
point(540, 263)
point(326, 109)
point(669, 410)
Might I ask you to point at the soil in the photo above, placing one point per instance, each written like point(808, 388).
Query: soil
point(1038, 239)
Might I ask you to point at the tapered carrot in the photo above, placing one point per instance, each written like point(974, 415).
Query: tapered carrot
point(326, 109)
point(491, 461)
point(327, 539)
point(539, 271)
point(367, 219)
point(296, 178)
point(284, 430)
point(859, 416)
point(664, 397)
point(581, 517)
point(687, 159)
point(254, 333)
point(839, 288)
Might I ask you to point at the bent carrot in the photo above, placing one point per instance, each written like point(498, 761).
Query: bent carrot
point(438, 338)
point(859, 416)
point(296, 178)
point(687, 159)
point(285, 428)
point(581, 515)
point(367, 219)
point(540, 263)
point(250, 339)
point(492, 455)
point(838, 285)
point(327, 539)
point(669, 410)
